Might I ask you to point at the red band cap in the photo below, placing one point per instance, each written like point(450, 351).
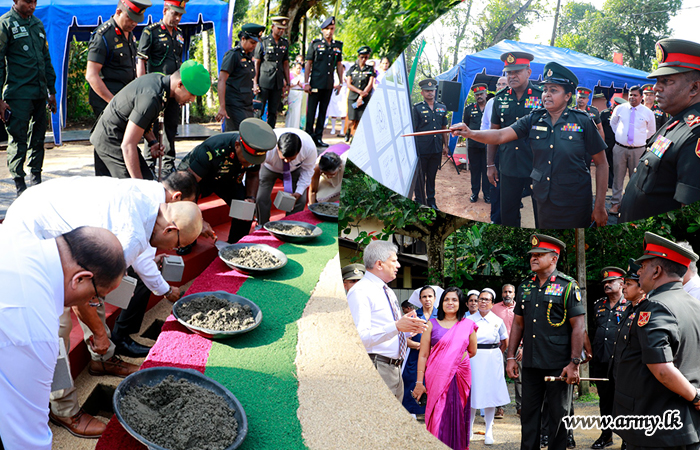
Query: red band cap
point(549, 246)
point(681, 60)
point(479, 88)
point(178, 3)
point(251, 150)
point(663, 252)
point(133, 7)
point(519, 61)
point(614, 273)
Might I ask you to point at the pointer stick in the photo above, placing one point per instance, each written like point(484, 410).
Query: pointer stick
point(424, 133)
point(580, 379)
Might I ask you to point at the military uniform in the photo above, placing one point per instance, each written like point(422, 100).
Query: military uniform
point(609, 141)
point(515, 158)
point(162, 53)
point(660, 116)
point(139, 102)
point(429, 148)
point(325, 57)
point(28, 78)
point(360, 78)
point(476, 152)
point(546, 311)
point(274, 57)
point(561, 155)
point(593, 113)
point(110, 47)
point(239, 86)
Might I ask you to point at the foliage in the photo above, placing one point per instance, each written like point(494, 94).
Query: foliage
point(502, 19)
point(78, 107)
point(630, 27)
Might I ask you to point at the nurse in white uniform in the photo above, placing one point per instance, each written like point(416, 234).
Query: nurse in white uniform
point(489, 388)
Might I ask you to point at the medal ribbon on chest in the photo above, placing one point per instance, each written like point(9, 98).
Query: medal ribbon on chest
point(533, 102)
point(573, 127)
point(660, 145)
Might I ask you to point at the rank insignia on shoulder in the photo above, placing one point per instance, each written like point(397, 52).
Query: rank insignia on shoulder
point(644, 317)
point(660, 145)
point(692, 120)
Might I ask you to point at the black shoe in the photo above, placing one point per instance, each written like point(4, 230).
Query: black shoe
point(544, 441)
point(434, 206)
point(320, 143)
point(521, 205)
point(570, 443)
point(20, 185)
point(34, 178)
point(186, 250)
point(487, 200)
point(473, 198)
point(347, 137)
point(129, 347)
point(602, 442)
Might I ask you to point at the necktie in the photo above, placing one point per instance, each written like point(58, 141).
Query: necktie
point(393, 302)
point(630, 131)
point(287, 178)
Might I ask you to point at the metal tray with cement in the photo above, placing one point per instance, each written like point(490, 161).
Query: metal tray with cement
point(154, 375)
point(287, 237)
point(254, 270)
point(323, 216)
point(216, 334)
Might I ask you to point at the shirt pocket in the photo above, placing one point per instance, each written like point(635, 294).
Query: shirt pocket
point(648, 168)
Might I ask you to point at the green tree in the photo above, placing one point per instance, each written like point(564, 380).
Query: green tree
point(502, 19)
point(570, 33)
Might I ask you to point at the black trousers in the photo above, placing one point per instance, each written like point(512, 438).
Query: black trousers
point(237, 114)
point(318, 100)
point(477, 168)
point(558, 395)
point(429, 164)
point(271, 98)
point(113, 165)
point(171, 119)
point(130, 319)
point(511, 196)
point(606, 391)
point(609, 157)
point(228, 190)
point(496, 195)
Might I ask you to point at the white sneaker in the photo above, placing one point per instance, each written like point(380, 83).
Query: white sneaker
point(488, 439)
point(333, 131)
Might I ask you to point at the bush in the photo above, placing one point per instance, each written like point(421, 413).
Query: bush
point(77, 93)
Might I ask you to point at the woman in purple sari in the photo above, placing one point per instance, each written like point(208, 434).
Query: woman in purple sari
point(446, 347)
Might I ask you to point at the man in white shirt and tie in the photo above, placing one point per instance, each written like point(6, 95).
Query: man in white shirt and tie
point(377, 314)
point(633, 124)
point(293, 162)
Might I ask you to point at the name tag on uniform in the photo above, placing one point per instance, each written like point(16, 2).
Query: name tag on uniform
point(554, 289)
point(660, 145)
point(536, 128)
point(504, 105)
point(574, 127)
point(119, 46)
point(533, 102)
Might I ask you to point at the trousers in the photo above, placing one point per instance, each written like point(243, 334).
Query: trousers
point(318, 100)
point(25, 133)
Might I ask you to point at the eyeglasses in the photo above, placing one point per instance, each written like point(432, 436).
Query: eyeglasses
point(484, 300)
point(178, 234)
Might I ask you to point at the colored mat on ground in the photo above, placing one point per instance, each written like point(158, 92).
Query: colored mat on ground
point(257, 367)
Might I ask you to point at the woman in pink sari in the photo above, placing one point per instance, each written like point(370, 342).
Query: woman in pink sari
point(446, 347)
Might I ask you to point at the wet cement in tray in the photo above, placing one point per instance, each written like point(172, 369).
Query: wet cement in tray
point(217, 314)
point(250, 257)
point(179, 415)
point(294, 230)
point(329, 209)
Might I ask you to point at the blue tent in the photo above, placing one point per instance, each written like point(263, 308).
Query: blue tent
point(591, 72)
point(64, 19)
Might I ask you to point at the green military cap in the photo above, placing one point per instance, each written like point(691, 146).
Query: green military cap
point(251, 31)
point(582, 91)
point(541, 243)
point(632, 269)
point(479, 87)
point(353, 272)
point(280, 22)
point(557, 74)
point(364, 50)
point(516, 60)
point(611, 273)
point(619, 100)
point(328, 22)
point(257, 138)
point(428, 84)
point(657, 247)
point(599, 95)
point(195, 77)
point(177, 5)
point(134, 8)
point(676, 56)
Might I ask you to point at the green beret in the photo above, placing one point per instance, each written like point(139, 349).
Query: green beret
point(257, 138)
point(195, 77)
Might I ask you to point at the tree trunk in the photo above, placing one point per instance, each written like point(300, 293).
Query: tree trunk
point(583, 387)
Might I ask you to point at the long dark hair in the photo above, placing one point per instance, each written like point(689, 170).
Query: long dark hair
point(462, 303)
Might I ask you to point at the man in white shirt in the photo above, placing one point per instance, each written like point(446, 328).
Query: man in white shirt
point(293, 162)
point(691, 280)
point(136, 212)
point(377, 314)
point(633, 123)
point(494, 191)
point(39, 278)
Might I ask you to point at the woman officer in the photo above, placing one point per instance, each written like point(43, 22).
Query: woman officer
point(563, 142)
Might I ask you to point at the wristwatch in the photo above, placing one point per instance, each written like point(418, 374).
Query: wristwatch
point(697, 396)
point(576, 361)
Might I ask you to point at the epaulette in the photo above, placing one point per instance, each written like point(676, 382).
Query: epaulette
point(566, 277)
point(577, 111)
point(692, 119)
point(103, 28)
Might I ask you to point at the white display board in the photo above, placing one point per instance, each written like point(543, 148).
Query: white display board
point(378, 148)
